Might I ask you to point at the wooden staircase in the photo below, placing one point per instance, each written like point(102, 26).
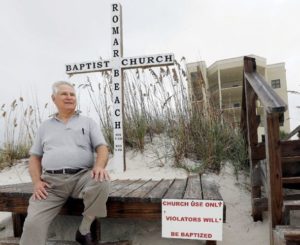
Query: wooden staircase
point(275, 163)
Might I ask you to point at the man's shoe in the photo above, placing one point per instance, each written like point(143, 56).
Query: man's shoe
point(85, 239)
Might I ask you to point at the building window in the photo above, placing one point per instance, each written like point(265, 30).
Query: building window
point(236, 105)
point(275, 83)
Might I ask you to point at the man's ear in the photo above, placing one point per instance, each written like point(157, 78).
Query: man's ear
point(53, 97)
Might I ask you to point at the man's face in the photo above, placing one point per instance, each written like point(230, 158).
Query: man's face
point(65, 98)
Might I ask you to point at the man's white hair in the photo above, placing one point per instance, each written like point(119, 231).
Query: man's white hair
point(59, 83)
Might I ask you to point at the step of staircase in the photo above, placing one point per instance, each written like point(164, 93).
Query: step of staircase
point(291, 180)
point(15, 241)
point(291, 159)
point(291, 172)
point(286, 234)
point(289, 205)
point(292, 204)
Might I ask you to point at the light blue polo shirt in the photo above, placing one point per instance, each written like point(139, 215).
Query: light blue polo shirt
point(70, 145)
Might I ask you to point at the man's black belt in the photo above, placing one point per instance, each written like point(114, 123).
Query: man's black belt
point(64, 171)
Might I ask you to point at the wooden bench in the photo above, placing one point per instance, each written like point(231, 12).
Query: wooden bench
point(134, 199)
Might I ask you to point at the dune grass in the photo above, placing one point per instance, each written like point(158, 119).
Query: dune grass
point(156, 104)
point(20, 122)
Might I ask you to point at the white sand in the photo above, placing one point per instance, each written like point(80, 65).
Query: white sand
point(239, 228)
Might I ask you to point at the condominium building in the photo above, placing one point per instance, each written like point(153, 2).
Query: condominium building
point(221, 84)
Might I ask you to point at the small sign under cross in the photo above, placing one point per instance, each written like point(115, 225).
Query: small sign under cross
point(116, 65)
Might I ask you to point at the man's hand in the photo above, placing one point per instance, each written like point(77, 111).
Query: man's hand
point(100, 174)
point(39, 191)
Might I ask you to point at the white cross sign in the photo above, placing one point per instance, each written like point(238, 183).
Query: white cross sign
point(116, 64)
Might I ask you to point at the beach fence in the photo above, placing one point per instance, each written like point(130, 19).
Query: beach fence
point(275, 162)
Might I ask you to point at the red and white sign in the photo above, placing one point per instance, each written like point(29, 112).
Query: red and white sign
point(192, 219)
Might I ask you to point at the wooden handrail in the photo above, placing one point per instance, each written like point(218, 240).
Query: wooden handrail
point(291, 134)
point(268, 97)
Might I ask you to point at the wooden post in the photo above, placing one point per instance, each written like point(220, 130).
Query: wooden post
point(252, 125)
point(18, 221)
point(249, 64)
point(96, 230)
point(273, 154)
point(211, 243)
point(243, 124)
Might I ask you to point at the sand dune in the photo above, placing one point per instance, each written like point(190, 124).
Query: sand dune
point(239, 228)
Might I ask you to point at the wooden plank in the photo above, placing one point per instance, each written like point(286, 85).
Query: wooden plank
point(120, 195)
point(157, 193)
point(293, 159)
point(115, 209)
point(177, 189)
point(119, 184)
point(291, 180)
point(15, 204)
point(210, 190)
point(140, 193)
point(290, 194)
point(292, 204)
point(292, 235)
point(193, 189)
point(289, 148)
point(291, 172)
point(289, 232)
point(23, 188)
point(134, 210)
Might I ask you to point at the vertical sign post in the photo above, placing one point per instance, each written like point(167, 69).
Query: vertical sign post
point(116, 65)
point(117, 77)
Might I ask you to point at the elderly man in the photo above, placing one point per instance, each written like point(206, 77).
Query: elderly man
point(62, 165)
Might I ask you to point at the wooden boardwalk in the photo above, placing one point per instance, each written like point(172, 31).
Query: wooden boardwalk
point(135, 199)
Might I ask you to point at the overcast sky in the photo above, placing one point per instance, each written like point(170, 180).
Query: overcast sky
point(39, 37)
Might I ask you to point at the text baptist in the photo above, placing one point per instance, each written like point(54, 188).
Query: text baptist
point(88, 66)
